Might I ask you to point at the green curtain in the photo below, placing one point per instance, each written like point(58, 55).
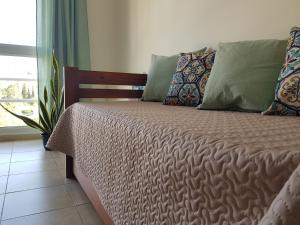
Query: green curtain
point(62, 27)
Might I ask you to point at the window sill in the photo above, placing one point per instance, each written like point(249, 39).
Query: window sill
point(18, 133)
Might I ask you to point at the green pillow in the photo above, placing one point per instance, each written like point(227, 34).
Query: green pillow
point(160, 75)
point(244, 75)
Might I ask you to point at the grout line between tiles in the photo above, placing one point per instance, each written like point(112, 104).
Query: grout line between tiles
point(31, 189)
point(2, 207)
point(81, 219)
point(32, 172)
point(47, 157)
point(74, 205)
point(38, 171)
point(32, 150)
point(51, 210)
point(50, 186)
point(32, 160)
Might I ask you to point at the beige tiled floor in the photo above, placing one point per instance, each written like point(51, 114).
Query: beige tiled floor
point(34, 190)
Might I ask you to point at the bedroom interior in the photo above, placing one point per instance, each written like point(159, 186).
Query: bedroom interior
point(150, 111)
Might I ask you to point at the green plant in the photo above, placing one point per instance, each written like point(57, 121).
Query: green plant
point(51, 105)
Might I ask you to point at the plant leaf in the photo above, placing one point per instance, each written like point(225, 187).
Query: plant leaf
point(61, 106)
point(53, 91)
point(53, 115)
point(45, 115)
point(44, 124)
point(49, 113)
point(55, 67)
point(27, 121)
point(45, 95)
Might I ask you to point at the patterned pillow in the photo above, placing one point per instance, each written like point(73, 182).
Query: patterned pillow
point(188, 84)
point(287, 92)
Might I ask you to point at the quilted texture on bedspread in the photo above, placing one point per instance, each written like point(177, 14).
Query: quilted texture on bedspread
point(155, 164)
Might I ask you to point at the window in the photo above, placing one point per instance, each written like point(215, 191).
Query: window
point(18, 66)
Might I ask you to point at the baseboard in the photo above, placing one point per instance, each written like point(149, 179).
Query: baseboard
point(19, 137)
point(18, 133)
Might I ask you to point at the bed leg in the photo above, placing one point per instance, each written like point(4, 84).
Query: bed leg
point(69, 167)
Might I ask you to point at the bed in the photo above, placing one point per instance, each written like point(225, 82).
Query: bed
point(146, 163)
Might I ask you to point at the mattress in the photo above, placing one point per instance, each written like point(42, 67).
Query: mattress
point(156, 164)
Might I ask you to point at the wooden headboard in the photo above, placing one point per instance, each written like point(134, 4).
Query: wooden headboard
point(73, 77)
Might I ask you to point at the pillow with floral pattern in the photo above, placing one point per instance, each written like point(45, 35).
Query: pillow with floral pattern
point(287, 92)
point(188, 83)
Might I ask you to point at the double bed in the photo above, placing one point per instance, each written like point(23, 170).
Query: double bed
point(146, 163)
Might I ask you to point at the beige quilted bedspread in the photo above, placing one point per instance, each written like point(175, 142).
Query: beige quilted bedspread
point(155, 164)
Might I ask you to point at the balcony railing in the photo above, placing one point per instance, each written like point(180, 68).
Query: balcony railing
point(15, 100)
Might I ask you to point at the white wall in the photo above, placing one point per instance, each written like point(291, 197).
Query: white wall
point(124, 33)
point(107, 24)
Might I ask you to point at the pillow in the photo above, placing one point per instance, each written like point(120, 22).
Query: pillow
point(244, 75)
point(160, 75)
point(287, 92)
point(188, 84)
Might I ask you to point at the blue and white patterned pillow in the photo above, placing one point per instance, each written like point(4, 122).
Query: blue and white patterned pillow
point(287, 92)
point(189, 81)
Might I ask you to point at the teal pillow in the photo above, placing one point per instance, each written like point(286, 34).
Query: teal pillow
point(160, 75)
point(244, 75)
point(287, 92)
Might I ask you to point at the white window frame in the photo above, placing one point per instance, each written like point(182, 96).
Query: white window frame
point(18, 51)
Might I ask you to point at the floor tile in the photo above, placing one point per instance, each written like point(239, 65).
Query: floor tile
point(6, 147)
point(4, 169)
point(35, 201)
point(56, 154)
point(62, 171)
point(32, 166)
point(3, 182)
point(89, 215)
point(34, 180)
point(5, 158)
point(60, 162)
point(28, 146)
point(68, 216)
point(77, 194)
point(28, 156)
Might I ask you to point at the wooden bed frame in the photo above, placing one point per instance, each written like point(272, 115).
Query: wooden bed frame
point(73, 77)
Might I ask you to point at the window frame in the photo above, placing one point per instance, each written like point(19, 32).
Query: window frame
point(18, 51)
